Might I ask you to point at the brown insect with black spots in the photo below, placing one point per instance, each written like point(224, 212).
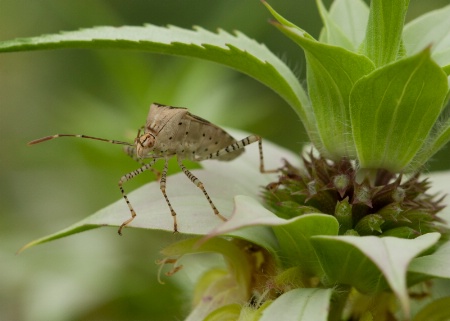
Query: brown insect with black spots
point(173, 131)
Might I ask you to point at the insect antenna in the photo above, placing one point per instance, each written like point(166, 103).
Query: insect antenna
point(43, 139)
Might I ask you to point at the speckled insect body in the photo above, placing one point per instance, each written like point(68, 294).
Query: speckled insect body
point(173, 131)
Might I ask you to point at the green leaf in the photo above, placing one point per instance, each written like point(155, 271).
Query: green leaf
point(292, 235)
point(237, 262)
point(429, 30)
point(217, 289)
point(394, 109)
point(222, 180)
point(384, 31)
point(361, 261)
point(235, 51)
point(437, 140)
point(434, 265)
point(331, 75)
point(295, 240)
point(332, 72)
point(442, 57)
point(345, 22)
point(227, 312)
point(280, 18)
point(299, 305)
point(344, 263)
point(332, 33)
point(435, 311)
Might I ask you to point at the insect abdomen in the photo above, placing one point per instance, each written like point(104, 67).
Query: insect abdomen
point(195, 138)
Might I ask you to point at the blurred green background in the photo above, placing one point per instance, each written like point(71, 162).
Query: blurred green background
point(98, 275)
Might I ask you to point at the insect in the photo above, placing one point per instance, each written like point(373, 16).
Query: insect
point(173, 131)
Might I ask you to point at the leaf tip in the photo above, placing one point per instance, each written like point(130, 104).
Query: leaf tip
point(25, 247)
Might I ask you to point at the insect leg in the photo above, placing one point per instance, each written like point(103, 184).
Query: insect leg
point(199, 184)
point(241, 144)
point(124, 179)
point(261, 159)
point(131, 151)
point(162, 185)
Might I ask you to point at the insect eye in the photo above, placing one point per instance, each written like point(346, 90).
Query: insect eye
point(146, 140)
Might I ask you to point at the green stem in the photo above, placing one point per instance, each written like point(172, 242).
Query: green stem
point(338, 302)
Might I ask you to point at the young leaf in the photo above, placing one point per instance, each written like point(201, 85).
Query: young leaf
point(299, 305)
point(384, 31)
point(334, 35)
point(332, 73)
point(347, 17)
point(295, 241)
point(428, 30)
point(406, 99)
point(355, 261)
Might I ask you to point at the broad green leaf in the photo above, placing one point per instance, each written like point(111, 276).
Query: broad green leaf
point(295, 241)
point(343, 263)
point(361, 261)
point(332, 73)
point(435, 265)
point(299, 305)
point(428, 30)
point(435, 311)
point(248, 212)
point(293, 235)
point(394, 109)
point(348, 18)
point(235, 51)
point(222, 180)
point(384, 30)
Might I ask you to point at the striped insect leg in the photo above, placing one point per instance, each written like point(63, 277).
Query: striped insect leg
point(241, 144)
point(131, 151)
point(199, 184)
point(262, 169)
point(124, 179)
point(162, 185)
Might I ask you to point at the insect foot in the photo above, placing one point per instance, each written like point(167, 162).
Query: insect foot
point(174, 132)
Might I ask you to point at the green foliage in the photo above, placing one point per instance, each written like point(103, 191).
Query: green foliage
point(332, 74)
point(406, 100)
point(376, 92)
